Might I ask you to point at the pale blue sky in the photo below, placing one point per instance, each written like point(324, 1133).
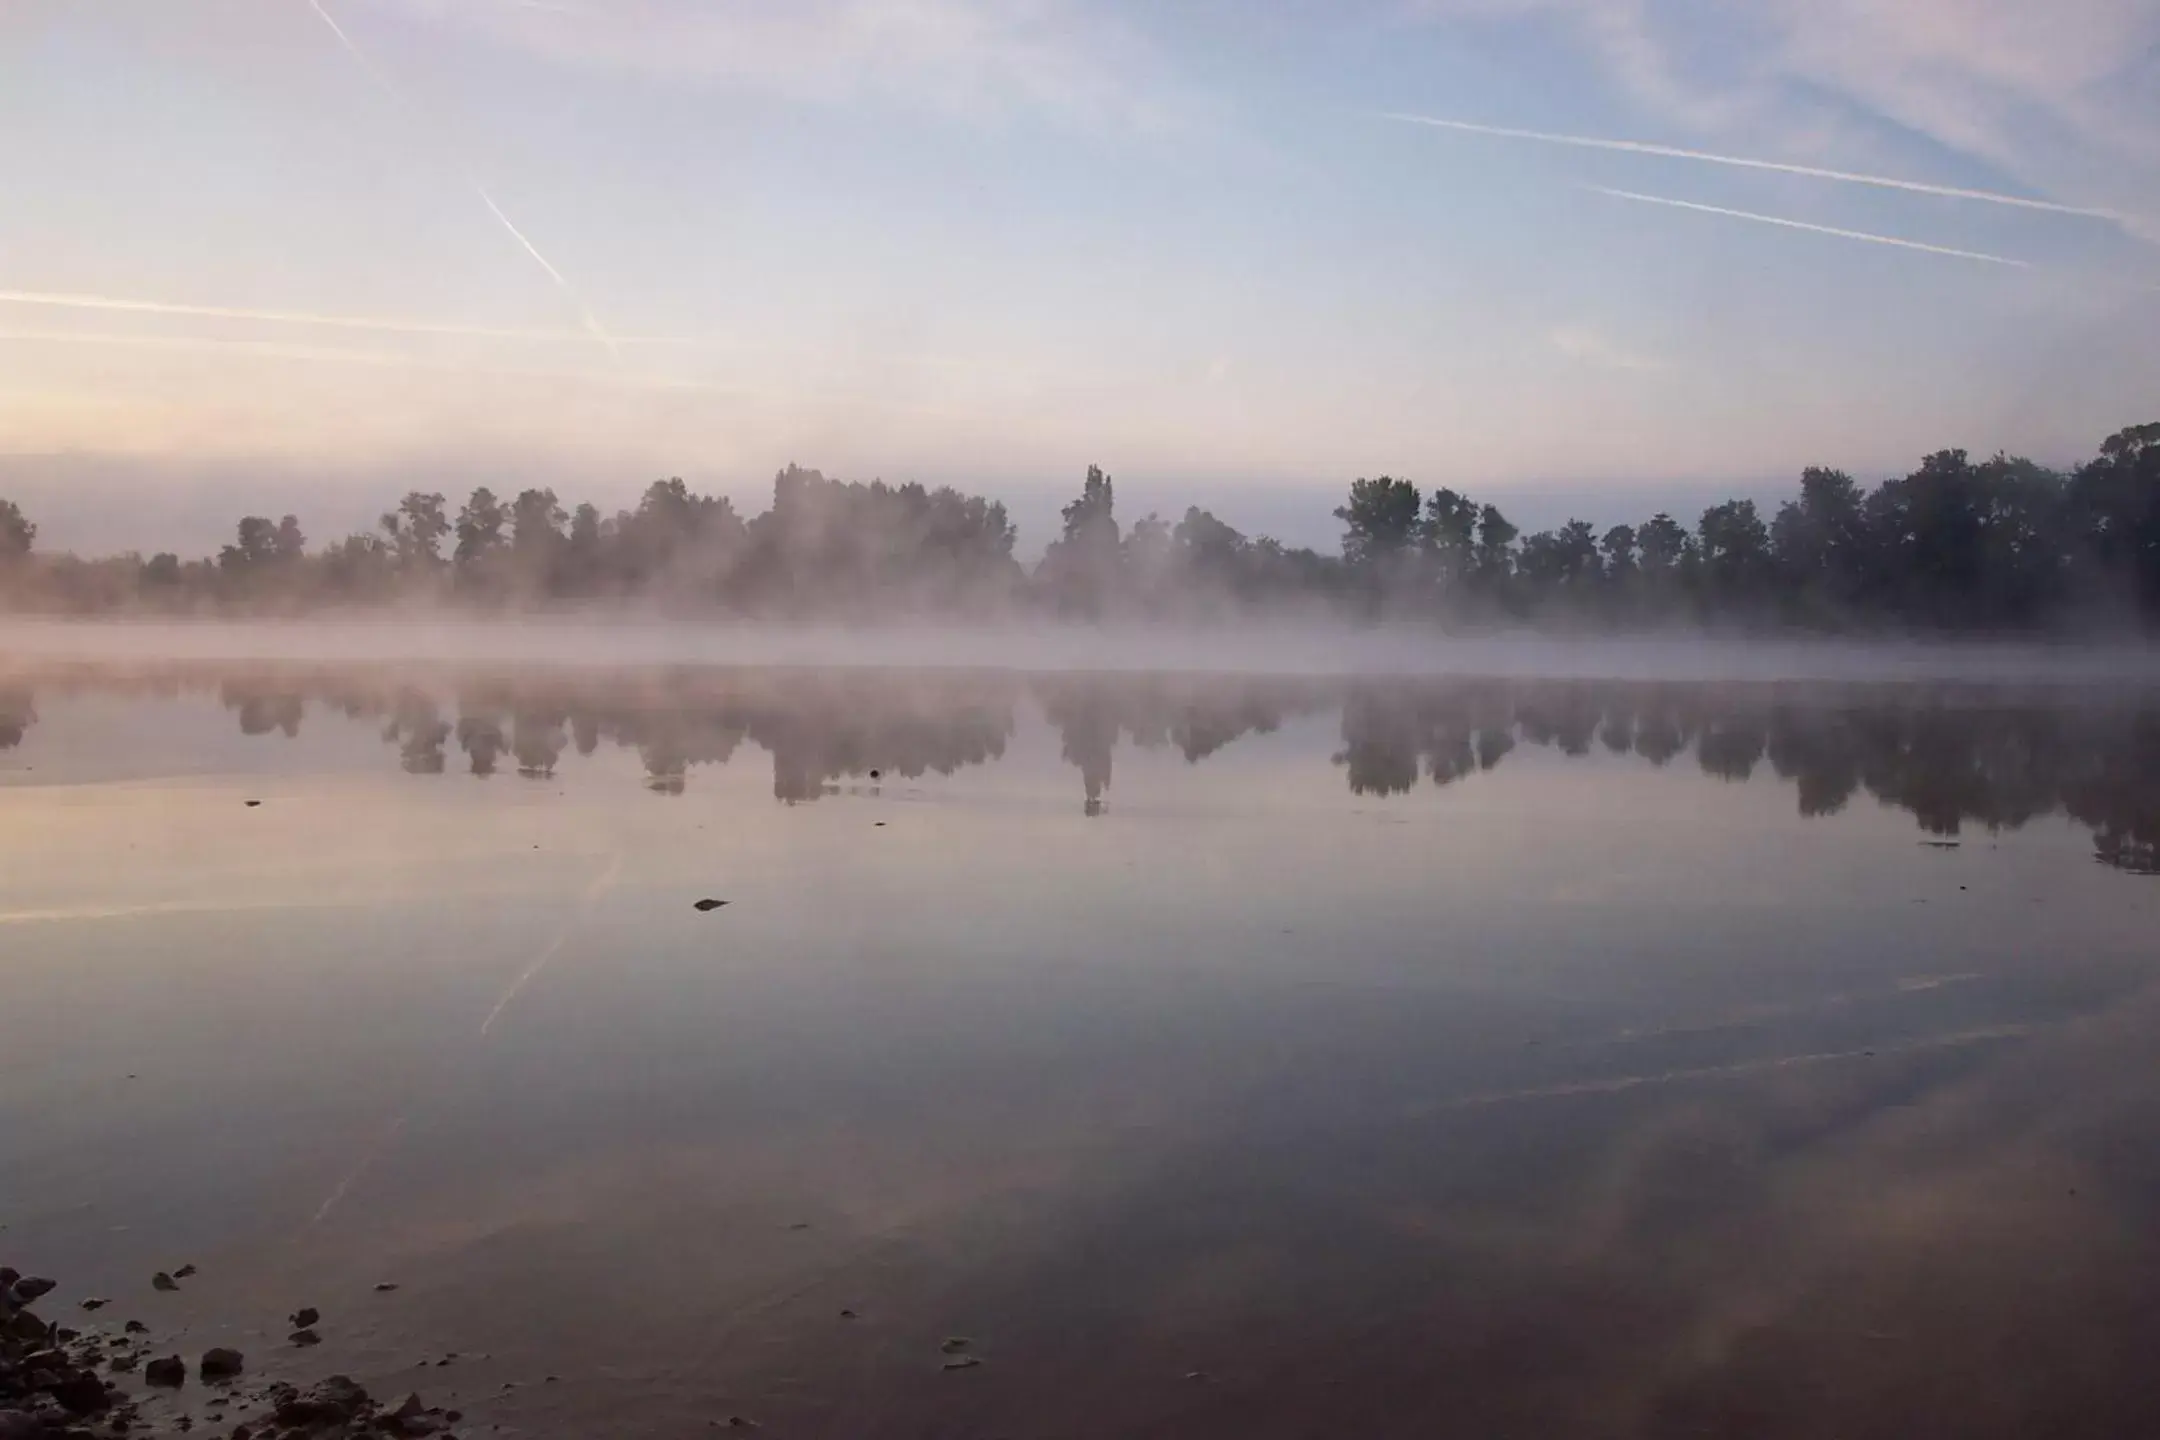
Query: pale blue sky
point(992, 241)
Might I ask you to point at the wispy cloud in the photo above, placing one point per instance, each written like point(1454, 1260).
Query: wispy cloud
point(397, 94)
point(1077, 64)
point(118, 304)
point(1869, 236)
point(2062, 97)
point(1674, 152)
point(1587, 345)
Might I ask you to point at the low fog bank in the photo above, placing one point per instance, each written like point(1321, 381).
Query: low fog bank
point(1283, 649)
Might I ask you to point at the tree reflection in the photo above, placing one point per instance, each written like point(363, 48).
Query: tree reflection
point(1951, 757)
point(1950, 760)
point(18, 712)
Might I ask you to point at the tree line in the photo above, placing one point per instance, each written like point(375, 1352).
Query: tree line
point(1998, 544)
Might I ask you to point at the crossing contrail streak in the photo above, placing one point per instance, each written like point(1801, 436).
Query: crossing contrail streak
point(63, 300)
point(390, 87)
point(592, 322)
point(626, 380)
point(599, 887)
point(277, 350)
point(1869, 236)
point(1744, 162)
point(1616, 1084)
point(367, 1162)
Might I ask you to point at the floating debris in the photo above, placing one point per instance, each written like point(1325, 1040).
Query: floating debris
point(708, 904)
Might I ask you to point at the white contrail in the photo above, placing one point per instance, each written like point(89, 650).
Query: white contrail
point(1867, 235)
point(367, 1162)
point(360, 57)
point(592, 322)
point(278, 350)
point(614, 379)
point(599, 887)
point(63, 300)
point(1618, 1083)
point(1849, 177)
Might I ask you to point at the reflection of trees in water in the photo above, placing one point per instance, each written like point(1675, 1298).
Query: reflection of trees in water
point(18, 713)
point(1949, 760)
point(1196, 716)
point(264, 707)
point(1952, 758)
point(818, 729)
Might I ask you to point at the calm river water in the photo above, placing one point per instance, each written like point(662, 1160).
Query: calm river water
point(1214, 1057)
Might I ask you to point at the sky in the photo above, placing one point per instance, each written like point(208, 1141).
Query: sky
point(305, 254)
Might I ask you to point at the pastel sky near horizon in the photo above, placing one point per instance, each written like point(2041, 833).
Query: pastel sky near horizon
point(992, 241)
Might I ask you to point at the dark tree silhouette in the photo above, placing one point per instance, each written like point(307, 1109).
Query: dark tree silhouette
point(1998, 544)
point(1080, 570)
point(17, 534)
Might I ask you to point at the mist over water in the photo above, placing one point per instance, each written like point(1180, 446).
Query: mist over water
point(1315, 648)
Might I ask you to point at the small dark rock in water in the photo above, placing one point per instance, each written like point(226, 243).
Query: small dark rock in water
point(874, 775)
point(172, 1370)
point(80, 1393)
point(163, 1281)
point(251, 804)
point(708, 904)
point(954, 1344)
point(221, 1363)
point(849, 1315)
point(961, 1362)
point(183, 1272)
point(93, 1303)
point(386, 1287)
point(136, 1327)
point(30, 1287)
point(737, 1422)
point(122, 1364)
point(305, 1316)
point(800, 1225)
point(411, 1418)
point(304, 1337)
point(334, 1401)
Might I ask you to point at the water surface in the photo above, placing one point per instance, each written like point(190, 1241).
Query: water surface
point(1218, 1056)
